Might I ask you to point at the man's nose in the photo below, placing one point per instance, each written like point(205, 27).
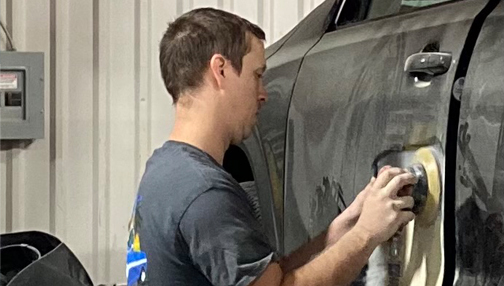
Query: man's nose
point(263, 94)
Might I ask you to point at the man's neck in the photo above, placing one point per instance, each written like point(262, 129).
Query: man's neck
point(203, 133)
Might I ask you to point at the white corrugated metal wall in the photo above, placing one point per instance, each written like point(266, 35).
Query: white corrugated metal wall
point(106, 110)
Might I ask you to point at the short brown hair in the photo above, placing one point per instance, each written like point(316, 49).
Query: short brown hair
point(192, 39)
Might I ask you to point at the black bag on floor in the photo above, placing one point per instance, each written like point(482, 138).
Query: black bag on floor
point(37, 258)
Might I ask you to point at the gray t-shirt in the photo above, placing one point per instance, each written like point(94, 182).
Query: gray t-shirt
point(193, 224)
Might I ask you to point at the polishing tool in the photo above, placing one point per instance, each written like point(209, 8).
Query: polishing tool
point(427, 191)
point(412, 257)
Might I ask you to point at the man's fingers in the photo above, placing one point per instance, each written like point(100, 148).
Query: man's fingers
point(402, 203)
point(386, 176)
point(383, 169)
point(399, 182)
point(406, 191)
point(405, 217)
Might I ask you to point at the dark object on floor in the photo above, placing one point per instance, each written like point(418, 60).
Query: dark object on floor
point(37, 258)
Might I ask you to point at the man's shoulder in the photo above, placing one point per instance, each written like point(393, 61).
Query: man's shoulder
point(178, 173)
point(185, 161)
point(173, 166)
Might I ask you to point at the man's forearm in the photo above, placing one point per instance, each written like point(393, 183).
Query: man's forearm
point(302, 255)
point(339, 227)
point(337, 265)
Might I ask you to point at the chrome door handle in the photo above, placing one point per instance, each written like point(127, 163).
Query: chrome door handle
point(433, 64)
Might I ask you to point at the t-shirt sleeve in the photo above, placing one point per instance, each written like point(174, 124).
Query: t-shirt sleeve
point(225, 240)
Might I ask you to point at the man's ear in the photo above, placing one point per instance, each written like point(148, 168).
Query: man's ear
point(217, 68)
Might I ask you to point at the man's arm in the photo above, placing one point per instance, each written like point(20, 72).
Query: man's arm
point(337, 265)
point(339, 227)
point(382, 215)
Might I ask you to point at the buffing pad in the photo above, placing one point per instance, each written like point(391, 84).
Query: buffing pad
point(429, 213)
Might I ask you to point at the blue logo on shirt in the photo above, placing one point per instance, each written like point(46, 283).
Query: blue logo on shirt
point(136, 259)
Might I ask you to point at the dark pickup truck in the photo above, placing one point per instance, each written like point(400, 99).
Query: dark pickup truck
point(358, 78)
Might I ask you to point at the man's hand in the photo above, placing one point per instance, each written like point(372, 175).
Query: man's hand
point(384, 210)
point(356, 206)
point(347, 219)
point(338, 227)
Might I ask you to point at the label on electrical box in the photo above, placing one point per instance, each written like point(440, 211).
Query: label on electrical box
point(8, 81)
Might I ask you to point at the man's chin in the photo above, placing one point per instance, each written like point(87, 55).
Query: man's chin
point(246, 134)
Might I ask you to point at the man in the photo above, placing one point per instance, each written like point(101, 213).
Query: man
point(193, 223)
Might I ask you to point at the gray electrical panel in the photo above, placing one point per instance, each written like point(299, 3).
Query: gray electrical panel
point(21, 95)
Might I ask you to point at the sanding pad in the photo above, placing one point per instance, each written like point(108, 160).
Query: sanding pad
point(427, 159)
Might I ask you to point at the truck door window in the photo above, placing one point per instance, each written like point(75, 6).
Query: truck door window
point(355, 11)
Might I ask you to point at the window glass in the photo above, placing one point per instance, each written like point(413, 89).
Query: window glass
point(355, 11)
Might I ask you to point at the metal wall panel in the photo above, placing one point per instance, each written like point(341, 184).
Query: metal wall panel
point(106, 111)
